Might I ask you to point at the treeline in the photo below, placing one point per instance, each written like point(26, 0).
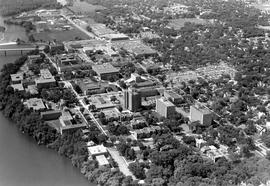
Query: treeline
point(71, 144)
point(10, 8)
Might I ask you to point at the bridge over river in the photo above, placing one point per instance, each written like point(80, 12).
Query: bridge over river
point(14, 49)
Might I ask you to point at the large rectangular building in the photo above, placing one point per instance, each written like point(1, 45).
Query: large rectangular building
point(106, 71)
point(201, 113)
point(169, 94)
point(101, 29)
point(46, 79)
point(165, 108)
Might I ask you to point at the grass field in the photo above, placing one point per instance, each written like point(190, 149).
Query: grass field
point(179, 23)
point(16, 6)
point(82, 7)
point(60, 35)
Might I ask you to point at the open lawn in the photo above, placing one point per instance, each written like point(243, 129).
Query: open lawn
point(60, 35)
point(179, 23)
point(81, 7)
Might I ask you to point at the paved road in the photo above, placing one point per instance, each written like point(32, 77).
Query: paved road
point(121, 162)
point(93, 118)
point(79, 27)
point(50, 60)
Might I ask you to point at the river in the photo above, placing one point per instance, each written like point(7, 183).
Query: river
point(22, 161)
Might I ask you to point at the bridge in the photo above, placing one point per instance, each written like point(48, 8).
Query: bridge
point(4, 51)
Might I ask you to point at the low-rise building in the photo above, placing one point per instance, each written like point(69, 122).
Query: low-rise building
point(35, 104)
point(165, 108)
point(16, 78)
point(101, 29)
point(135, 47)
point(97, 150)
point(102, 160)
point(173, 96)
point(106, 71)
point(34, 58)
point(51, 115)
point(116, 37)
point(70, 62)
point(17, 87)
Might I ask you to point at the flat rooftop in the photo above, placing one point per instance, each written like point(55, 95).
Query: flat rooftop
point(137, 47)
point(166, 102)
point(202, 109)
point(16, 77)
point(98, 149)
point(105, 68)
point(18, 87)
point(102, 160)
point(93, 43)
point(173, 94)
point(101, 29)
point(120, 36)
point(35, 103)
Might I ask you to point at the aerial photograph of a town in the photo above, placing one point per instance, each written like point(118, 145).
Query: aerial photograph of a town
point(135, 92)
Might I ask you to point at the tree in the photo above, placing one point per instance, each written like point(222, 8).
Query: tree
point(267, 155)
point(137, 169)
point(102, 138)
point(189, 140)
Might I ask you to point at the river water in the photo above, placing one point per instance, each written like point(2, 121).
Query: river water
point(22, 161)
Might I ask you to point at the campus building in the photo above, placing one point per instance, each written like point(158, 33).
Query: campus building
point(173, 96)
point(16, 78)
point(201, 114)
point(165, 108)
point(106, 71)
point(46, 79)
point(70, 62)
point(97, 150)
point(35, 104)
point(132, 100)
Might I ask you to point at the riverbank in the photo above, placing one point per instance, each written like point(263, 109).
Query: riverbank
point(70, 145)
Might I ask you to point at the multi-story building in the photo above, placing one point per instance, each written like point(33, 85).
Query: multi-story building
point(46, 79)
point(106, 71)
point(165, 108)
point(201, 113)
point(132, 100)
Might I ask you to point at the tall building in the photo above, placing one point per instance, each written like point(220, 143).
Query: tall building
point(201, 114)
point(165, 108)
point(132, 100)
